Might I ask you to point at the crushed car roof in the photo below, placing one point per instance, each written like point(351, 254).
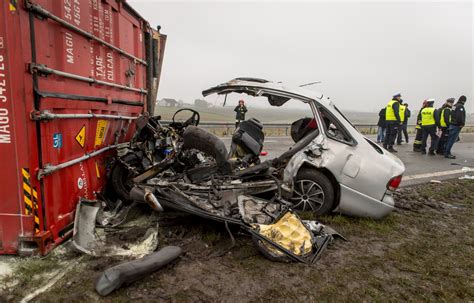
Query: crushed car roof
point(276, 92)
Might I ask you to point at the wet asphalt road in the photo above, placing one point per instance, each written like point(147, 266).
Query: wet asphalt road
point(419, 168)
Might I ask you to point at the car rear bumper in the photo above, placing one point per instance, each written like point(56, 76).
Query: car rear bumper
point(357, 204)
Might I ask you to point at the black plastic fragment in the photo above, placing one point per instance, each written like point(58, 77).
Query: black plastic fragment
point(114, 277)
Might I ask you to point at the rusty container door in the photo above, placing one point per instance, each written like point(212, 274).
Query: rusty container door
point(83, 70)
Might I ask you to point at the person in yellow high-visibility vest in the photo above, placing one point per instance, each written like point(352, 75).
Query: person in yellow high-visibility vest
point(429, 122)
point(444, 120)
point(405, 113)
point(392, 122)
point(418, 133)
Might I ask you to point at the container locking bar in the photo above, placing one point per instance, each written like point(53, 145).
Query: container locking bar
point(43, 69)
point(36, 8)
point(49, 169)
point(47, 115)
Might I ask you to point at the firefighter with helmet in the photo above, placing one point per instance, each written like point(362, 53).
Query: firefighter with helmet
point(429, 122)
point(392, 122)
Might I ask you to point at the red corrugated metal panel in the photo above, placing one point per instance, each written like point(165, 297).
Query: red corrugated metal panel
point(69, 51)
point(73, 75)
point(15, 219)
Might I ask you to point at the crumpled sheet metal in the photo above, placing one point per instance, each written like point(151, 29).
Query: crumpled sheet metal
point(290, 233)
point(254, 210)
point(296, 240)
point(99, 242)
point(84, 238)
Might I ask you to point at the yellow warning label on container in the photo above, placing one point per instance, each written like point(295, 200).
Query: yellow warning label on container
point(81, 136)
point(100, 132)
point(13, 5)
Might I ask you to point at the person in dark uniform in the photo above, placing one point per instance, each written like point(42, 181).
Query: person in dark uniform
point(240, 111)
point(458, 120)
point(392, 122)
point(381, 126)
point(418, 135)
point(444, 120)
point(429, 122)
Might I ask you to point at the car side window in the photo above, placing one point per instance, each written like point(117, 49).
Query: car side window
point(334, 128)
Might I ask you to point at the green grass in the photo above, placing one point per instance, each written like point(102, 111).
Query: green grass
point(351, 224)
point(28, 273)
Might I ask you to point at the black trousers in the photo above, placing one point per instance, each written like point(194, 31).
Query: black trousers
point(442, 140)
point(429, 131)
point(392, 130)
point(402, 129)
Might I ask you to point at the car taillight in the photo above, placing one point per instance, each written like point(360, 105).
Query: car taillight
point(394, 183)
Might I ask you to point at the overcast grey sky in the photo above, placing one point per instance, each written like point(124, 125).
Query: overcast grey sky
point(363, 52)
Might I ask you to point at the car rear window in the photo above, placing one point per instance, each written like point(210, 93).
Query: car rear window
point(334, 128)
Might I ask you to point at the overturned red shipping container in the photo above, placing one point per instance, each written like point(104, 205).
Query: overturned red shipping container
point(74, 74)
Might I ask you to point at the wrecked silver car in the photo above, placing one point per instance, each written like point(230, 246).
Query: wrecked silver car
point(330, 167)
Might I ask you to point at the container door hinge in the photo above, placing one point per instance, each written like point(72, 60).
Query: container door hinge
point(48, 169)
point(37, 115)
point(35, 8)
point(35, 68)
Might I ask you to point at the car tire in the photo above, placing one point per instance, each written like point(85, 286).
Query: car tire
point(120, 177)
point(313, 191)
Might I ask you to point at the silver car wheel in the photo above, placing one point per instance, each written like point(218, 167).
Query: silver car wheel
point(307, 195)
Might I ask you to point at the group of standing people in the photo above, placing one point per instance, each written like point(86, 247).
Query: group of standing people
point(448, 120)
point(442, 125)
point(393, 122)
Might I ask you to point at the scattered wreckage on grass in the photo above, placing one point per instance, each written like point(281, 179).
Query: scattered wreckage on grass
point(331, 167)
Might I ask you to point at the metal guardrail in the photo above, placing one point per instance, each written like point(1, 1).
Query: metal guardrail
point(227, 128)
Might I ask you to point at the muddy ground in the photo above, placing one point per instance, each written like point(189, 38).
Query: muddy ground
point(422, 252)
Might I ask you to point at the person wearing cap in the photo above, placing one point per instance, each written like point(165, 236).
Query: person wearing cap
point(444, 120)
point(429, 121)
point(381, 126)
point(418, 135)
point(402, 129)
point(458, 120)
point(392, 122)
point(240, 111)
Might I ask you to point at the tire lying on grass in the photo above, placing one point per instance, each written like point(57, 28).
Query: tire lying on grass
point(313, 191)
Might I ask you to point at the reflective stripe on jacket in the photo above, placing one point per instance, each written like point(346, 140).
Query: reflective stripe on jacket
point(442, 119)
point(389, 112)
point(402, 112)
point(427, 116)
